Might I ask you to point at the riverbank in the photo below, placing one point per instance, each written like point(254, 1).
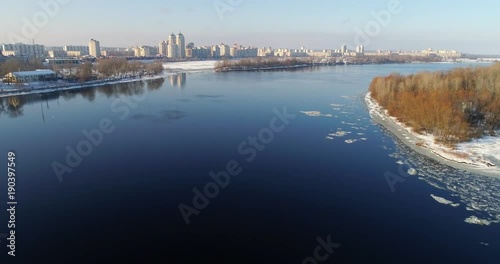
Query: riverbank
point(71, 86)
point(481, 156)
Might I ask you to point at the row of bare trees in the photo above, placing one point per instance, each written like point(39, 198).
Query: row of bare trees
point(455, 106)
point(14, 65)
point(105, 68)
point(385, 59)
point(120, 67)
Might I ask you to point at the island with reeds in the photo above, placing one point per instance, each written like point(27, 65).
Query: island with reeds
point(279, 63)
point(454, 115)
point(262, 64)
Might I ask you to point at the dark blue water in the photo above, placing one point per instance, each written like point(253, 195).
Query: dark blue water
point(121, 201)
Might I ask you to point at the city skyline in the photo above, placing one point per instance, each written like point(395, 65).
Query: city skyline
point(316, 25)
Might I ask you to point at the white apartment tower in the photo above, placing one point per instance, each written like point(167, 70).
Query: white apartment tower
point(343, 49)
point(95, 48)
point(173, 48)
point(163, 48)
point(360, 49)
point(181, 45)
point(225, 50)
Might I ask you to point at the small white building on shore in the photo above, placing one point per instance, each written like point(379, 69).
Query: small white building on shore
point(30, 76)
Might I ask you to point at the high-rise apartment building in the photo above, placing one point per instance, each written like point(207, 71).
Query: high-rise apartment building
point(94, 48)
point(360, 49)
point(163, 48)
point(181, 44)
point(343, 49)
point(173, 48)
point(225, 50)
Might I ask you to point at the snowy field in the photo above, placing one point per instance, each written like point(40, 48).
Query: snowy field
point(189, 66)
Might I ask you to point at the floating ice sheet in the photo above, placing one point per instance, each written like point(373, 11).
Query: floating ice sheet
point(315, 114)
point(442, 200)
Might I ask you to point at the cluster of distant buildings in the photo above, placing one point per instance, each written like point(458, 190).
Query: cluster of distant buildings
point(40, 51)
point(175, 48)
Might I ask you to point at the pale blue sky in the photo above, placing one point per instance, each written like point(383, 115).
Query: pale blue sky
point(468, 26)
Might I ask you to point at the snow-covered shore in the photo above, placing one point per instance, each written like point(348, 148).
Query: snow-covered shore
point(170, 69)
point(39, 89)
point(481, 156)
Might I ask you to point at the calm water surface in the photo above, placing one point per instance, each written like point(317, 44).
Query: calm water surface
point(121, 201)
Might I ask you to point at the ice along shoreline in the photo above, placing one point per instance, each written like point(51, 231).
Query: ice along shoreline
point(464, 157)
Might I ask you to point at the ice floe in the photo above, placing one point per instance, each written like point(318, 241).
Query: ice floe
point(340, 133)
point(442, 200)
point(477, 221)
point(315, 114)
point(412, 172)
point(476, 193)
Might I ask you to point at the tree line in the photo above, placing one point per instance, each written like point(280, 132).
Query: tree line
point(255, 63)
point(385, 59)
point(454, 106)
point(87, 71)
point(14, 65)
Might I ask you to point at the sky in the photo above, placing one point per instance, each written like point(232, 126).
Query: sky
point(463, 25)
